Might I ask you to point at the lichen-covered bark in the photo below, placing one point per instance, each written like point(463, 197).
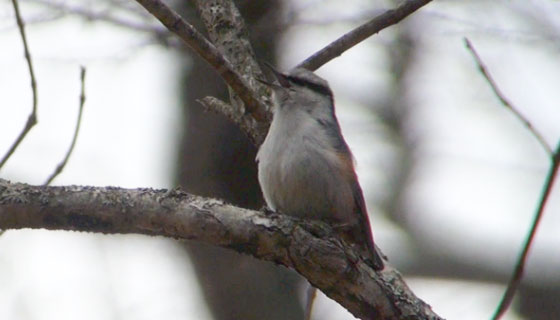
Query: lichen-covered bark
point(228, 32)
point(307, 247)
point(209, 53)
point(216, 160)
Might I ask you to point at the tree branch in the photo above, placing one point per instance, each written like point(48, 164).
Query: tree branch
point(352, 38)
point(517, 274)
point(32, 119)
point(107, 15)
point(307, 247)
point(554, 156)
point(208, 52)
point(62, 164)
point(226, 29)
point(504, 100)
point(255, 132)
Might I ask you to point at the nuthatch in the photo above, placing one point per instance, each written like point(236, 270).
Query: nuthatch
point(306, 168)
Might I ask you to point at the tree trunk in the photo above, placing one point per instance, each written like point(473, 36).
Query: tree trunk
point(217, 160)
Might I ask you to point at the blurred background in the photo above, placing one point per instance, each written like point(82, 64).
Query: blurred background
point(451, 177)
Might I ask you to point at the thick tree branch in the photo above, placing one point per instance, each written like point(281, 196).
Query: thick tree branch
point(306, 247)
point(226, 29)
point(352, 38)
point(208, 52)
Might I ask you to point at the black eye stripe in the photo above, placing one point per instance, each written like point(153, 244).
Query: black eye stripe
point(311, 85)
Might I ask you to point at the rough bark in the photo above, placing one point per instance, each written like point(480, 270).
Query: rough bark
point(310, 248)
point(306, 247)
point(216, 159)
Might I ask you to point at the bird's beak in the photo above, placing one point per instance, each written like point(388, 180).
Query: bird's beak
point(280, 77)
point(266, 82)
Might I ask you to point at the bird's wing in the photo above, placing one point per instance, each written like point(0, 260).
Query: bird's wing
point(361, 211)
point(362, 231)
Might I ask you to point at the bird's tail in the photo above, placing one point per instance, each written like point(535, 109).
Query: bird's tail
point(371, 254)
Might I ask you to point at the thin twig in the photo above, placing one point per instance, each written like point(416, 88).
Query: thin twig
point(505, 101)
point(352, 38)
point(62, 164)
point(246, 124)
point(32, 119)
point(522, 260)
point(517, 274)
point(208, 52)
point(105, 15)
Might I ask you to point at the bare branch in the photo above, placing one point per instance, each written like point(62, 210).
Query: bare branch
point(32, 119)
point(310, 248)
point(105, 15)
point(352, 38)
point(517, 274)
point(62, 164)
point(505, 101)
point(246, 124)
point(208, 52)
point(515, 279)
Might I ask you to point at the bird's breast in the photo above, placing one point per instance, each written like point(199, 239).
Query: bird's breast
point(301, 176)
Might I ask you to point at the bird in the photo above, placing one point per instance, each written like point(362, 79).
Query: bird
point(305, 167)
